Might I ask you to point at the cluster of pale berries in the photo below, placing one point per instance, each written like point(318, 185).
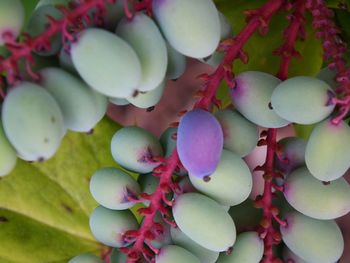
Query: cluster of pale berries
point(129, 61)
point(125, 61)
point(212, 204)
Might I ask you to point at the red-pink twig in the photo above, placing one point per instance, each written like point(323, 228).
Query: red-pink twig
point(268, 233)
point(287, 51)
point(334, 53)
point(24, 49)
point(144, 5)
point(156, 205)
point(257, 20)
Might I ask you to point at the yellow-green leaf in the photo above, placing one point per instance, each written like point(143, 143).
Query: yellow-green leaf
point(45, 207)
point(260, 48)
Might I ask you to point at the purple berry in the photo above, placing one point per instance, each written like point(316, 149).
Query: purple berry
point(199, 142)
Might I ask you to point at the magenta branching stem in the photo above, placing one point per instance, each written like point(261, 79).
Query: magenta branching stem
point(257, 20)
point(68, 26)
point(144, 5)
point(148, 230)
point(24, 49)
point(287, 51)
point(127, 12)
point(268, 233)
point(334, 53)
point(295, 29)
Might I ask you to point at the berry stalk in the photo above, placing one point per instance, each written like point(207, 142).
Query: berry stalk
point(334, 53)
point(144, 5)
point(257, 20)
point(269, 234)
point(287, 51)
point(9, 66)
point(145, 233)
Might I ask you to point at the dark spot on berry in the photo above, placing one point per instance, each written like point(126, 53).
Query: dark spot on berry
point(41, 159)
point(136, 92)
point(147, 156)
point(229, 251)
point(326, 183)
point(150, 109)
point(206, 178)
point(88, 179)
point(90, 132)
point(174, 136)
point(270, 106)
point(129, 196)
point(207, 58)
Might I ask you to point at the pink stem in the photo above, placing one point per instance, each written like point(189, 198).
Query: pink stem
point(144, 5)
point(334, 52)
point(155, 205)
point(269, 231)
point(127, 12)
point(259, 18)
point(287, 51)
point(24, 49)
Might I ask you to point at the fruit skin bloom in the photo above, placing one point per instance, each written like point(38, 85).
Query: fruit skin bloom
point(199, 142)
point(191, 27)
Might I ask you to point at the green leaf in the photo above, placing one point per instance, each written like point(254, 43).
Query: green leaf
point(303, 131)
point(260, 48)
point(343, 20)
point(45, 207)
point(223, 94)
point(339, 4)
point(29, 6)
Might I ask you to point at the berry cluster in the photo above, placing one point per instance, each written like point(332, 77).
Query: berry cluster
point(194, 183)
